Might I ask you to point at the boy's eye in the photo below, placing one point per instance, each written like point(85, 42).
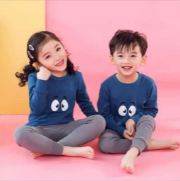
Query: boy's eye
point(132, 110)
point(133, 55)
point(122, 110)
point(120, 56)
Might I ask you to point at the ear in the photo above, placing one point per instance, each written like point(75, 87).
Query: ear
point(67, 53)
point(144, 59)
point(36, 65)
point(111, 59)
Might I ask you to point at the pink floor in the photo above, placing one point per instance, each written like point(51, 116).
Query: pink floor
point(17, 163)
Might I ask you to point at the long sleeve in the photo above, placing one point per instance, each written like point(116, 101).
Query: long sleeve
point(82, 98)
point(104, 109)
point(150, 106)
point(37, 94)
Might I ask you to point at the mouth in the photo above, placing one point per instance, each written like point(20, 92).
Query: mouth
point(60, 63)
point(126, 68)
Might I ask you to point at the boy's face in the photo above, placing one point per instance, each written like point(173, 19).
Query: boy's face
point(128, 60)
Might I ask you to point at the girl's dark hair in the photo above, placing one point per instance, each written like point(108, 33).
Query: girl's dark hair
point(35, 41)
point(128, 38)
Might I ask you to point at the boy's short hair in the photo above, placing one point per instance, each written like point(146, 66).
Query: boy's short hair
point(128, 38)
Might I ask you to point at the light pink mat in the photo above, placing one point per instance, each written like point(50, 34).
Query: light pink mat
point(17, 163)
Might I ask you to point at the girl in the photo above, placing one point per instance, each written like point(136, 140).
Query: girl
point(54, 87)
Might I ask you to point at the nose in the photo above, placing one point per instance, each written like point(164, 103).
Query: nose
point(125, 60)
point(57, 57)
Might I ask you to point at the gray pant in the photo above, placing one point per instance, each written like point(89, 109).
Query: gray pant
point(51, 139)
point(111, 142)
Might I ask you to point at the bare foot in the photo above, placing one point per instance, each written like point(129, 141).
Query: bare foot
point(163, 144)
point(86, 151)
point(36, 155)
point(128, 161)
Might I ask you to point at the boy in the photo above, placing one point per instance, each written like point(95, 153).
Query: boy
point(128, 101)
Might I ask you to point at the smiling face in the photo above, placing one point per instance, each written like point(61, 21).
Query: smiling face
point(127, 60)
point(53, 56)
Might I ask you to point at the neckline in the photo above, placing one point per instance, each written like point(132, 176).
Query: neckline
point(57, 78)
point(132, 83)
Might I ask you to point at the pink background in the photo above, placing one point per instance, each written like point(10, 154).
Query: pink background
point(86, 27)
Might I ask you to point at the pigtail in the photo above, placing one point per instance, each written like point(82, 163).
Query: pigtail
point(70, 67)
point(35, 41)
point(24, 76)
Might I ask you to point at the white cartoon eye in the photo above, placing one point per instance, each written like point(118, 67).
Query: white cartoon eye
point(122, 110)
point(64, 105)
point(55, 105)
point(131, 110)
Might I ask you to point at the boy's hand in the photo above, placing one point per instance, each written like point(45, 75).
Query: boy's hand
point(130, 127)
point(126, 135)
point(43, 73)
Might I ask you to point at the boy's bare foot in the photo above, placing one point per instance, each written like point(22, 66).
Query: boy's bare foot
point(128, 161)
point(162, 144)
point(86, 151)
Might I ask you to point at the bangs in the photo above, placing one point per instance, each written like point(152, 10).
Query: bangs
point(128, 46)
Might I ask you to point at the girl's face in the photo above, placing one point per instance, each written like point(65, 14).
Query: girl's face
point(53, 56)
point(128, 61)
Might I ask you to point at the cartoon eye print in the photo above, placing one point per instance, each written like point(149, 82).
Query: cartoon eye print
point(55, 105)
point(122, 110)
point(132, 110)
point(64, 105)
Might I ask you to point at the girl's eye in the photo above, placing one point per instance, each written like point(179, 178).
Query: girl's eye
point(58, 49)
point(55, 105)
point(48, 56)
point(133, 56)
point(64, 105)
point(120, 56)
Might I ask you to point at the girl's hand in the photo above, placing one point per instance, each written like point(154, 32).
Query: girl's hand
point(130, 127)
point(43, 73)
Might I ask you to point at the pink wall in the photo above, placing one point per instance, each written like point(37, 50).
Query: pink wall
point(87, 26)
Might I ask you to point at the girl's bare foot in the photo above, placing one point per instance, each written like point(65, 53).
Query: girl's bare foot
point(36, 155)
point(128, 161)
point(162, 144)
point(86, 151)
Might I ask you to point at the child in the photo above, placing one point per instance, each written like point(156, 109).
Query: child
point(53, 91)
point(128, 101)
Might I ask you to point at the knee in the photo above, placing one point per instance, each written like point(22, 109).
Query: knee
point(100, 123)
point(20, 134)
point(148, 119)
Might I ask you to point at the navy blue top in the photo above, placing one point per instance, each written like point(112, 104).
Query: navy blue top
point(119, 101)
point(52, 101)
